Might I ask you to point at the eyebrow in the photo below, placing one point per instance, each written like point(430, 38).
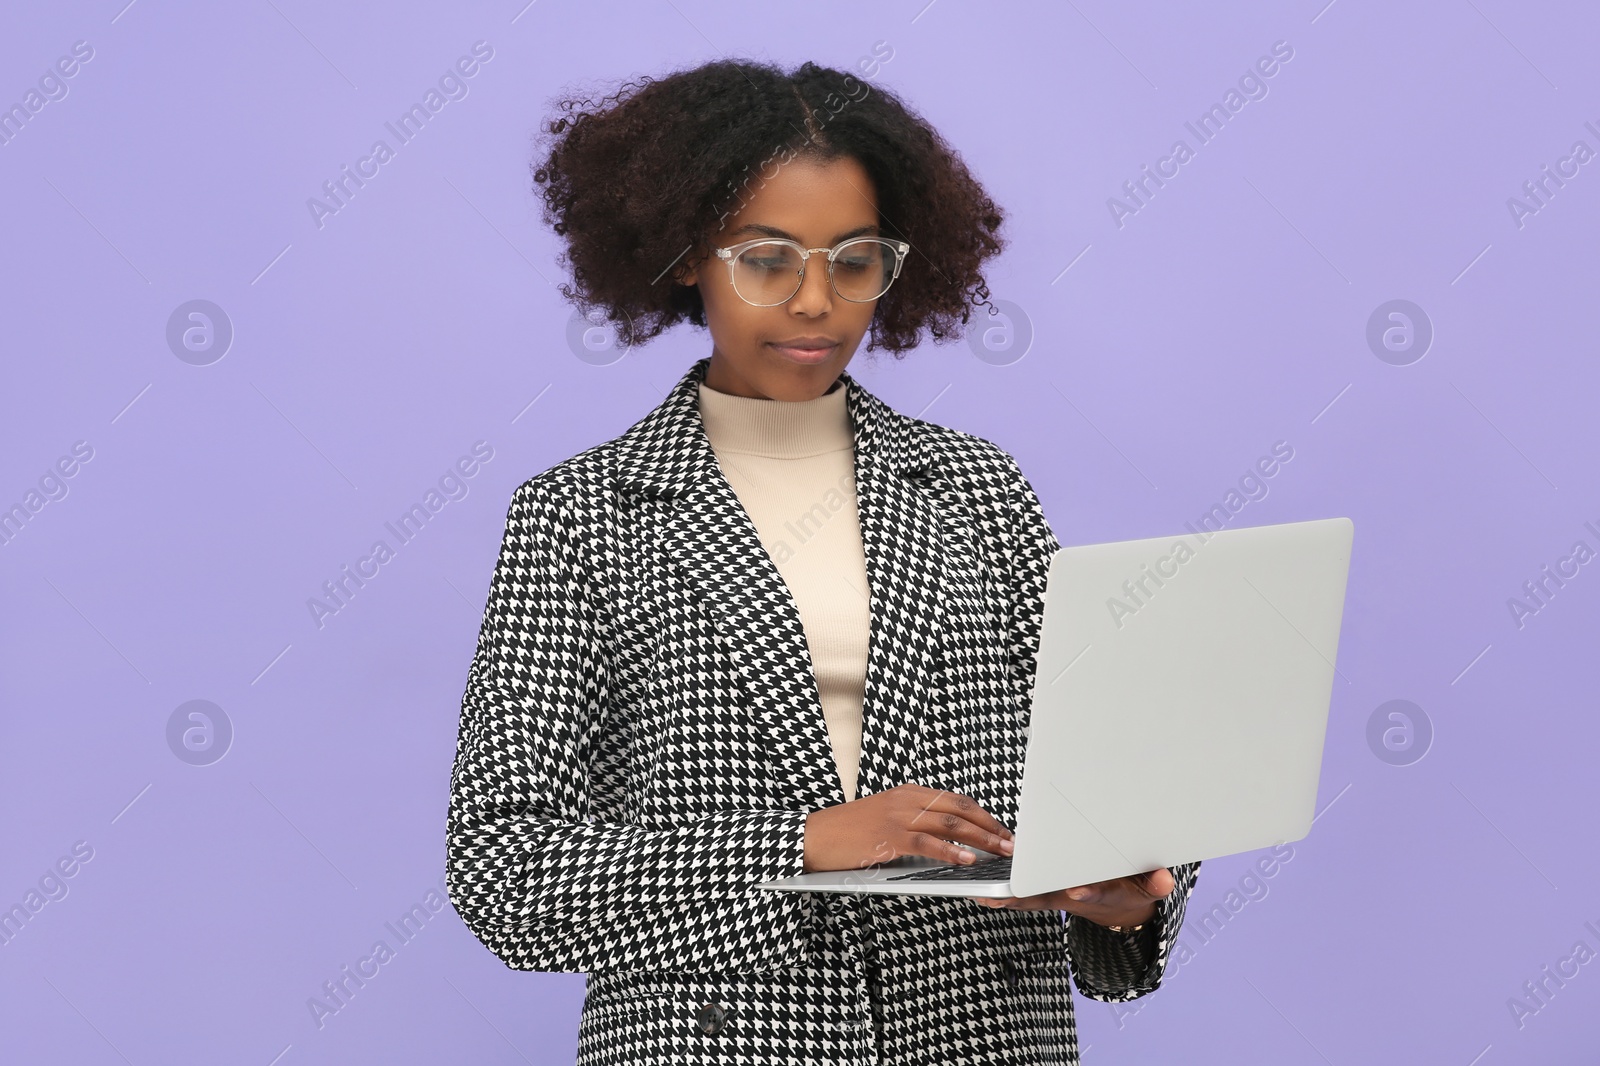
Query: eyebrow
point(774, 231)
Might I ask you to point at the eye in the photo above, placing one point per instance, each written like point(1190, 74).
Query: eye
point(769, 259)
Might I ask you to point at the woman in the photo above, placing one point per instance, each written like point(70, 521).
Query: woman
point(776, 626)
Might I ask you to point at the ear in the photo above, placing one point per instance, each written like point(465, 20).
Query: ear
point(688, 270)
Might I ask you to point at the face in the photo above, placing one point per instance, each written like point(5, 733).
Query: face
point(818, 205)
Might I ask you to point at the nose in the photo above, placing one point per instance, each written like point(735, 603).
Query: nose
point(815, 296)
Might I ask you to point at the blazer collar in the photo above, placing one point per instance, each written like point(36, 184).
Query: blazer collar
point(707, 534)
point(667, 452)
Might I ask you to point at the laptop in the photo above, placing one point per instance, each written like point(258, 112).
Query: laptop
point(1178, 712)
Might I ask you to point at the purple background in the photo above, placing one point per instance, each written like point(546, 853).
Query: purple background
point(1228, 313)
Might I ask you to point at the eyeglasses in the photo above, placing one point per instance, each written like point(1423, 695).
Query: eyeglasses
point(769, 271)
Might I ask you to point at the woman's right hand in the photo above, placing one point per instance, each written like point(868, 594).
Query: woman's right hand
point(905, 820)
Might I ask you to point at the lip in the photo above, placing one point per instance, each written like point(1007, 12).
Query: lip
point(805, 356)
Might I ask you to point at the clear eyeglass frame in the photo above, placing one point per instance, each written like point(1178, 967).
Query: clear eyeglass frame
point(730, 255)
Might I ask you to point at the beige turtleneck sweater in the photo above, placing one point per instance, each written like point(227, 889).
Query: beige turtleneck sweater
point(792, 465)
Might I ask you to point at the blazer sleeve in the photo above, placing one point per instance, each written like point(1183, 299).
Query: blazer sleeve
point(536, 879)
point(1106, 966)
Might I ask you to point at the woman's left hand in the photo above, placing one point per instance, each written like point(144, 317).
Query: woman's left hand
point(1124, 901)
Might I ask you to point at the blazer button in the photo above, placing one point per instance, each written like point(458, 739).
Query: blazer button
point(710, 1018)
point(1012, 974)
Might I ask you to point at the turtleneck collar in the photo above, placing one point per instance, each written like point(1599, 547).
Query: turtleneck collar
point(778, 429)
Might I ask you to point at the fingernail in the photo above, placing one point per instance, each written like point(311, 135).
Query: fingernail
point(967, 856)
point(1007, 846)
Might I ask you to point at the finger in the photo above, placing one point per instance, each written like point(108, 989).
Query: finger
point(938, 800)
point(994, 903)
point(973, 811)
point(956, 817)
point(948, 825)
point(1087, 893)
point(1154, 885)
point(935, 846)
point(1045, 901)
point(1158, 884)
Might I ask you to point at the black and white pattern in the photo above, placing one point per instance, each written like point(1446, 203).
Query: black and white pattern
point(641, 734)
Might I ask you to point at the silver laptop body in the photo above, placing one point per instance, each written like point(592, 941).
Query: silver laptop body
point(1179, 710)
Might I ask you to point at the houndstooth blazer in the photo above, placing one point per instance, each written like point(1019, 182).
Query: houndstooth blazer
point(641, 738)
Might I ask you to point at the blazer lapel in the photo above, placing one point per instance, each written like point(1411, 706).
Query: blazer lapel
point(901, 532)
point(714, 543)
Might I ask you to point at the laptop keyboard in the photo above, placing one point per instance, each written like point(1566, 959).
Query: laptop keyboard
point(995, 869)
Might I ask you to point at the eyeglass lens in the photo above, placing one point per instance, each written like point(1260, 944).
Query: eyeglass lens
point(767, 274)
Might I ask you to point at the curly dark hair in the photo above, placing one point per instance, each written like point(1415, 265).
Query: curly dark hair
point(637, 180)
